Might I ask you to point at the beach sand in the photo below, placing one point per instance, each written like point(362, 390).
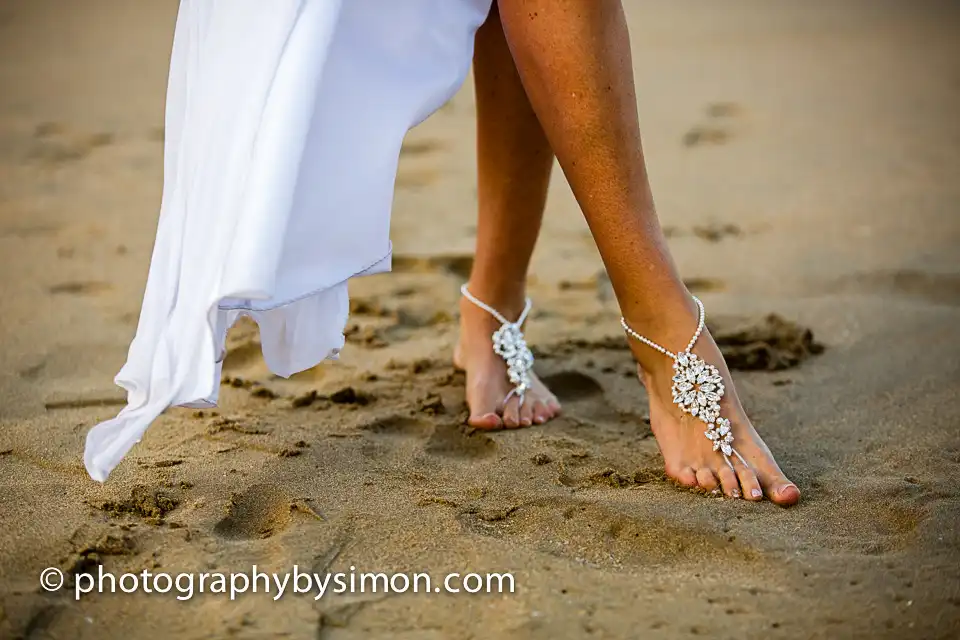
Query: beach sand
point(805, 160)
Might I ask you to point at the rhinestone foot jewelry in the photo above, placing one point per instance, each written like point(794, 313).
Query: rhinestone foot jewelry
point(697, 389)
point(509, 344)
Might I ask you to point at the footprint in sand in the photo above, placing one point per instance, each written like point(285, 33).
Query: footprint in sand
point(55, 144)
point(150, 504)
point(87, 556)
point(700, 135)
point(396, 425)
point(716, 130)
point(458, 265)
point(748, 344)
point(570, 386)
point(615, 479)
point(261, 511)
point(710, 231)
point(80, 288)
point(717, 231)
point(704, 285)
point(243, 347)
point(242, 355)
point(585, 531)
point(380, 326)
point(369, 307)
point(772, 344)
point(459, 441)
point(446, 440)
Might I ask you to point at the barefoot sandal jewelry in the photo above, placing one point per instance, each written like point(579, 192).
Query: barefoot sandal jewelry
point(697, 389)
point(509, 344)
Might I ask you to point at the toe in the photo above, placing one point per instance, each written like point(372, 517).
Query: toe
point(779, 489)
point(526, 412)
point(483, 410)
point(707, 480)
point(785, 494)
point(554, 405)
point(749, 483)
point(729, 481)
point(541, 413)
point(686, 477)
point(483, 401)
point(484, 421)
point(511, 413)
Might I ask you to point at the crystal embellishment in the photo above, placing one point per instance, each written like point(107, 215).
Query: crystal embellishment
point(509, 344)
point(721, 435)
point(697, 389)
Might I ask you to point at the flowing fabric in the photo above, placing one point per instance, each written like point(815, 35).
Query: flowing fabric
point(284, 123)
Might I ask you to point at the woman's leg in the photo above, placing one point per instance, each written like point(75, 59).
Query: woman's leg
point(514, 161)
point(575, 62)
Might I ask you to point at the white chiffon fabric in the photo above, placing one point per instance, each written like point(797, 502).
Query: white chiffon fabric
point(284, 123)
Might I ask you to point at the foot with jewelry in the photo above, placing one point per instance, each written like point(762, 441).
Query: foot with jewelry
point(705, 437)
point(502, 390)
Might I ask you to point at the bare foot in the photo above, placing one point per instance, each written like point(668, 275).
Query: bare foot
point(689, 456)
point(487, 383)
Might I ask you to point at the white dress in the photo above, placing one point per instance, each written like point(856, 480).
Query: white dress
point(284, 122)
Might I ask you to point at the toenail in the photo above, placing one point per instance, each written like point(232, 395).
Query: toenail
point(715, 492)
point(736, 494)
point(756, 493)
point(786, 488)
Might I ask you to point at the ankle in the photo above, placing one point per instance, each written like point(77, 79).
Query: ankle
point(508, 298)
point(671, 326)
point(652, 366)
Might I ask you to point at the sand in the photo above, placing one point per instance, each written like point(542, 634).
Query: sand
point(805, 160)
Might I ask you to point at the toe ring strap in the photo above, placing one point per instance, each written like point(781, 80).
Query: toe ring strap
point(510, 344)
point(516, 391)
point(726, 459)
